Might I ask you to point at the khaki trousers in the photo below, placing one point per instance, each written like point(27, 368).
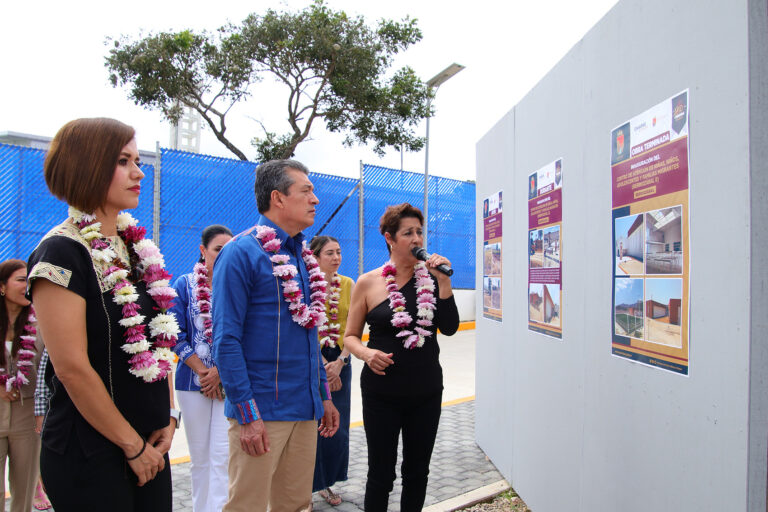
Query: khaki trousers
point(282, 477)
point(20, 444)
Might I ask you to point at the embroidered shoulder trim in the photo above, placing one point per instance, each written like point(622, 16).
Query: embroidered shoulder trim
point(54, 273)
point(69, 230)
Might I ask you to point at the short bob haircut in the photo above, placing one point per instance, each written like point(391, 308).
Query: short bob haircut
point(82, 159)
point(390, 221)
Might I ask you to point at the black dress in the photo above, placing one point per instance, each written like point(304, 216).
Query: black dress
point(82, 469)
point(407, 398)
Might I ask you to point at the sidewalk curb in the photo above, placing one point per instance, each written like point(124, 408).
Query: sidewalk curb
point(469, 498)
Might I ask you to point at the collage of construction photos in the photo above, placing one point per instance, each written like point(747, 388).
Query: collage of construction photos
point(492, 212)
point(545, 275)
point(651, 249)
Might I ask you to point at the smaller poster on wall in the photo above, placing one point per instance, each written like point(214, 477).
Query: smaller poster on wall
point(651, 246)
point(492, 206)
point(545, 250)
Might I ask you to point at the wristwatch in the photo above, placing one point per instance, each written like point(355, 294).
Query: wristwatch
point(345, 360)
point(176, 414)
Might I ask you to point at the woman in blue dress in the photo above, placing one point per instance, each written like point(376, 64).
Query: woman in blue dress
point(198, 387)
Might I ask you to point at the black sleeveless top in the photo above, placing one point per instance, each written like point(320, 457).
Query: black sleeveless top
point(62, 257)
point(416, 371)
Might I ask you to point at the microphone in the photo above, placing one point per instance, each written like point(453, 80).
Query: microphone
point(421, 253)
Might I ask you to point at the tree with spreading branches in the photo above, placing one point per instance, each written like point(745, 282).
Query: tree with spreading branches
point(334, 67)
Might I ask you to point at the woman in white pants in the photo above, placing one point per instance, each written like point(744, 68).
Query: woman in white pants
point(198, 387)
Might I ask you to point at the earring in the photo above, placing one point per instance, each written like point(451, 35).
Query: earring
point(2, 293)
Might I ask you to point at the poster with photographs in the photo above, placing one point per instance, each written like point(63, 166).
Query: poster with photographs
point(545, 250)
point(651, 246)
point(492, 256)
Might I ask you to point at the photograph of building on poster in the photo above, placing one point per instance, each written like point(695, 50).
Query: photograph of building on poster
point(650, 182)
point(545, 216)
point(628, 308)
point(629, 245)
point(492, 261)
point(544, 304)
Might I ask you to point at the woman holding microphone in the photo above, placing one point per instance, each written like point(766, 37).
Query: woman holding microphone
point(404, 302)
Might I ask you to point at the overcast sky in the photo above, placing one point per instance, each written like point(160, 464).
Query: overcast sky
point(52, 69)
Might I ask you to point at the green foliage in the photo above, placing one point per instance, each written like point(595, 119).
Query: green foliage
point(334, 68)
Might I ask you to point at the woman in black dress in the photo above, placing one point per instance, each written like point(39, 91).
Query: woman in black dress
point(100, 294)
point(404, 302)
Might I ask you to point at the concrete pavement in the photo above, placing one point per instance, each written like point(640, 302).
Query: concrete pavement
point(458, 465)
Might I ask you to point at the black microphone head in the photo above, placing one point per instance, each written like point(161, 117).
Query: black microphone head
point(420, 253)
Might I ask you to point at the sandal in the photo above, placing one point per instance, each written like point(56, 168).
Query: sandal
point(330, 497)
point(41, 500)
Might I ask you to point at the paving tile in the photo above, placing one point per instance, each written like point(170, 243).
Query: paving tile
point(458, 466)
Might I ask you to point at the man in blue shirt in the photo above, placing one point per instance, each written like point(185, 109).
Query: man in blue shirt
point(269, 363)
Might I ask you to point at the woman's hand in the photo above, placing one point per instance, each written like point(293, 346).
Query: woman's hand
point(443, 281)
point(148, 464)
point(210, 383)
point(378, 361)
point(9, 396)
point(333, 370)
point(162, 437)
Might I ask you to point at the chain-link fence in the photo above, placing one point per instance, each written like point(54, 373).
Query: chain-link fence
point(451, 222)
point(199, 190)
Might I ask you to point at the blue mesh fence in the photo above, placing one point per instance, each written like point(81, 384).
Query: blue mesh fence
point(198, 190)
point(28, 211)
point(451, 217)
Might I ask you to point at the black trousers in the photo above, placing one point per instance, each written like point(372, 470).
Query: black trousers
point(103, 481)
point(384, 418)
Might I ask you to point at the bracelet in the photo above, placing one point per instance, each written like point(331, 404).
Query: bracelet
point(143, 447)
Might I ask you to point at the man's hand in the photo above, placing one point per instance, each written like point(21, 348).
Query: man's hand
point(253, 438)
point(39, 423)
point(330, 421)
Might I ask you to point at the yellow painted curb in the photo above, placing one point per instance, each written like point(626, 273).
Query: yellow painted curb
point(180, 460)
point(466, 326)
point(449, 403)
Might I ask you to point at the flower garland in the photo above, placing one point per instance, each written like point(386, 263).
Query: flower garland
point(25, 356)
point(329, 331)
point(305, 316)
point(425, 300)
point(202, 291)
point(150, 361)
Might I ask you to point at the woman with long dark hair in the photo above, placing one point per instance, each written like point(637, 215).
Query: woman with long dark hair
point(19, 442)
point(332, 456)
point(198, 386)
point(101, 295)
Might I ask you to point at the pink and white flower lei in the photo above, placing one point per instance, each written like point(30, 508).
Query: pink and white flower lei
point(24, 356)
point(305, 316)
point(150, 361)
point(425, 300)
point(203, 298)
point(329, 330)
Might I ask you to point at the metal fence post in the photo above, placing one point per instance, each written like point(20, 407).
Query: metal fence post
point(361, 222)
point(156, 196)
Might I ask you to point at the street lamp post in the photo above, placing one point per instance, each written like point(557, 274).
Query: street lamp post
point(433, 83)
